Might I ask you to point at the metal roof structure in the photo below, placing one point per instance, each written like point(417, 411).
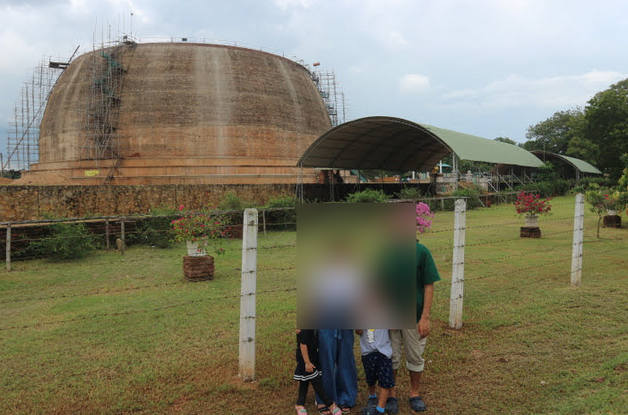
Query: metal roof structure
point(389, 143)
point(579, 165)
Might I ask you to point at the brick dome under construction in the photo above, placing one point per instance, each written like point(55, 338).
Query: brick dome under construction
point(169, 113)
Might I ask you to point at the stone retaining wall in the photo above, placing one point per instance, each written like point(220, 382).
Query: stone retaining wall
point(18, 203)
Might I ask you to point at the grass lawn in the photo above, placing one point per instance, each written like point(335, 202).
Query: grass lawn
point(112, 334)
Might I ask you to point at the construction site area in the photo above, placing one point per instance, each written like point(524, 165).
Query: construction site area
point(179, 112)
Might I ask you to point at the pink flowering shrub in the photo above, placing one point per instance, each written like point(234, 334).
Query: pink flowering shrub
point(423, 213)
point(208, 230)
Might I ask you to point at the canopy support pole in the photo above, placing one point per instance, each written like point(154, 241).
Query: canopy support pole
point(454, 161)
point(299, 189)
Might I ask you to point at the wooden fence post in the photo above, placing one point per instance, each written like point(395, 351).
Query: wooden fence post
point(578, 240)
point(8, 238)
point(247, 295)
point(457, 269)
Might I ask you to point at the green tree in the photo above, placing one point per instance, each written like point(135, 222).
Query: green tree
point(607, 126)
point(622, 185)
point(555, 133)
point(506, 140)
point(582, 148)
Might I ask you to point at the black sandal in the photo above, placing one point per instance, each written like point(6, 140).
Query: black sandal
point(323, 410)
point(345, 409)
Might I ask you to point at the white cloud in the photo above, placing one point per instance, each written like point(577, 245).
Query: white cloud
point(549, 92)
point(413, 83)
point(14, 49)
point(128, 7)
point(356, 70)
point(396, 38)
point(287, 4)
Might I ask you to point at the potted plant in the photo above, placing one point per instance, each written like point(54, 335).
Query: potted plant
point(608, 205)
point(531, 205)
point(615, 202)
point(201, 231)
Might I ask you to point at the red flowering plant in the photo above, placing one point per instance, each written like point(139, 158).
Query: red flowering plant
point(207, 229)
point(608, 200)
point(531, 204)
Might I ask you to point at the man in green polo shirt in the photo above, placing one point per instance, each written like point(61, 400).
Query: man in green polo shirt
point(414, 339)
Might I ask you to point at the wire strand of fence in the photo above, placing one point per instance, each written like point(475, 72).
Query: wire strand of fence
point(263, 270)
point(141, 311)
point(518, 270)
point(180, 282)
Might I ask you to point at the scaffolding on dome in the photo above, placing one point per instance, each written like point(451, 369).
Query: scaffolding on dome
point(99, 113)
point(332, 94)
point(23, 132)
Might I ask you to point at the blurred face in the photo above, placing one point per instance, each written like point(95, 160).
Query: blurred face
point(352, 261)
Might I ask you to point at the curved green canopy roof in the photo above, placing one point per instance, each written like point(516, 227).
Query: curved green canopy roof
point(580, 165)
point(389, 143)
point(474, 148)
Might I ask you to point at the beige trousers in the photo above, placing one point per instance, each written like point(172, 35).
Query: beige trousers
point(413, 345)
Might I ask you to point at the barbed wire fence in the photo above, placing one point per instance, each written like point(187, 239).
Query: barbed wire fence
point(461, 253)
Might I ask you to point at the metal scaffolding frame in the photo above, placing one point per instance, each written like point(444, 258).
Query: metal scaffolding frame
point(23, 133)
point(99, 112)
point(332, 94)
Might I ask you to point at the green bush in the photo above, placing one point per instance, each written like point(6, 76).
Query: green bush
point(592, 182)
point(66, 241)
point(153, 231)
point(472, 195)
point(542, 188)
point(546, 173)
point(232, 201)
point(561, 187)
point(368, 196)
point(578, 189)
point(282, 219)
point(410, 193)
point(556, 187)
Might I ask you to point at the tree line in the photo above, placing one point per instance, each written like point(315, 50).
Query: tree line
point(597, 133)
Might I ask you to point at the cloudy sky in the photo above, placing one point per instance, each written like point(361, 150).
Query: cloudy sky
point(484, 67)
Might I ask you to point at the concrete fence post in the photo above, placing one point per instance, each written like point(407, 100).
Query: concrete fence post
point(578, 241)
point(122, 245)
point(457, 269)
point(8, 252)
point(247, 295)
point(107, 234)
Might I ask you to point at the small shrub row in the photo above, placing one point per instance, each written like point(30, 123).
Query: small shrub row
point(64, 242)
point(553, 188)
point(282, 219)
point(368, 196)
